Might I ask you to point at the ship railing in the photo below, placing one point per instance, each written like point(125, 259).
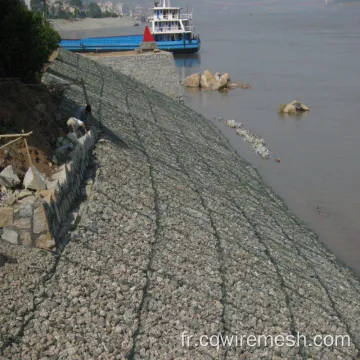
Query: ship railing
point(166, 29)
point(171, 17)
point(186, 16)
point(189, 28)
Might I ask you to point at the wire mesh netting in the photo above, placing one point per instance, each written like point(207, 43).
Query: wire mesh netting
point(182, 235)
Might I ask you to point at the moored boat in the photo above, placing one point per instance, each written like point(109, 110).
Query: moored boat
point(171, 30)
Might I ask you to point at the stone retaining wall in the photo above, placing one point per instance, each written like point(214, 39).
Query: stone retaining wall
point(155, 70)
point(69, 187)
point(35, 221)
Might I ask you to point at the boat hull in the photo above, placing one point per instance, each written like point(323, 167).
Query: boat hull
point(127, 43)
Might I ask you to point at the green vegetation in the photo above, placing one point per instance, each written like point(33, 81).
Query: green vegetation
point(94, 10)
point(26, 41)
point(76, 3)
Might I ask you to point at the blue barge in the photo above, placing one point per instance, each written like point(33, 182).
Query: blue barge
point(128, 43)
point(171, 29)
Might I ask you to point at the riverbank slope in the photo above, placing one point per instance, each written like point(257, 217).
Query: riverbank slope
point(180, 234)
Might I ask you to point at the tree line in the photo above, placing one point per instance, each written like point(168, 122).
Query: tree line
point(26, 41)
point(59, 10)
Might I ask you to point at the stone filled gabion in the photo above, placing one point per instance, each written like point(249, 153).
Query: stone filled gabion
point(178, 234)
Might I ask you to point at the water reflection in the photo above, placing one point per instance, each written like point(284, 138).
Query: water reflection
point(187, 64)
point(297, 115)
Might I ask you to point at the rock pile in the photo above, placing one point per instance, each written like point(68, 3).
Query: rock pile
point(293, 108)
point(209, 81)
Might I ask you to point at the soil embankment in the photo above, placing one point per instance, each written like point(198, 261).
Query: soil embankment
point(28, 108)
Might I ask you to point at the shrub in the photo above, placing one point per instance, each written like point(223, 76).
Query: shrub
point(26, 41)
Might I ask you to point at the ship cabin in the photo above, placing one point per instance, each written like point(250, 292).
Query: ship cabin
point(168, 24)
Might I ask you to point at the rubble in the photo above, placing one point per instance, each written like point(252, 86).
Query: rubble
point(256, 141)
point(32, 182)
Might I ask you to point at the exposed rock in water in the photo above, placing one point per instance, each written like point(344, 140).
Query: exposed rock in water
point(208, 81)
point(239, 86)
point(192, 81)
point(293, 108)
point(257, 142)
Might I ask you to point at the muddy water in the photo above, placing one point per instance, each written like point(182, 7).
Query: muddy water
point(307, 51)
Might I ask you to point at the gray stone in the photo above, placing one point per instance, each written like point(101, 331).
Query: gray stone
point(27, 200)
point(62, 153)
point(32, 182)
point(10, 236)
point(23, 223)
point(45, 241)
point(9, 178)
point(72, 137)
point(25, 211)
point(23, 194)
point(148, 46)
point(25, 238)
point(39, 221)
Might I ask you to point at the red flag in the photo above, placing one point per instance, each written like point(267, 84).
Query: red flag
point(147, 35)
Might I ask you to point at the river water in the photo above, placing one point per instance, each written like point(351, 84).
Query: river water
point(304, 50)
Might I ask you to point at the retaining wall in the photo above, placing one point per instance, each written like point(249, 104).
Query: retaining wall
point(57, 206)
point(156, 70)
point(36, 221)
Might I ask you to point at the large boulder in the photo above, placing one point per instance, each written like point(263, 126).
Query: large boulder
point(9, 178)
point(293, 108)
point(30, 180)
point(217, 76)
point(299, 106)
point(226, 76)
point(289, 109)
point(193, 80)
point(207, 80)
point(224, 81)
